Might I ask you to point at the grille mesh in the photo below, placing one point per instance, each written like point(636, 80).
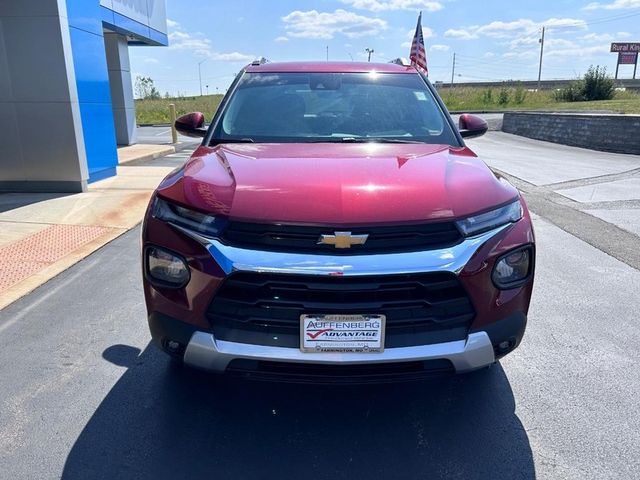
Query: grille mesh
point(292, 238)
point(265, 309)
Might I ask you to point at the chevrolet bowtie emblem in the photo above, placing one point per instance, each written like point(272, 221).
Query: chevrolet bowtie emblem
point(342, 239)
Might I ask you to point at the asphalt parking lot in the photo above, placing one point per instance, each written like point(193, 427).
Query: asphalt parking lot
point(84, 395)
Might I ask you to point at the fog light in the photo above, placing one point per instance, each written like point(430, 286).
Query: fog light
point(166, 268)
point(512, 269)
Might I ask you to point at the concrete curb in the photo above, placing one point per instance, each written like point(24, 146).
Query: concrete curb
point(143, 152)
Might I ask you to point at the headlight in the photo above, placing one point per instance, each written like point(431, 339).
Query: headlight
point(513, 269)
point(187, 218)
point(166, 268)
point(490, 220)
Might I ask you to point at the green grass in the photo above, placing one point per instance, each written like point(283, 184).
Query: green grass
point(475, 99)
point(157, 111)
point(458, 99)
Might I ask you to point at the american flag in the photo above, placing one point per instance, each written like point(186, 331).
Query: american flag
point(418, 55)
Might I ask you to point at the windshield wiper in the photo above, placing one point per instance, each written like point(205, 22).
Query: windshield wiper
point(218, 141)
point(392, 140)
point(364, 140)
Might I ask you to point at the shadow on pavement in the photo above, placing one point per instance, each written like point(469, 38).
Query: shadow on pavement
point(161, 421)
point(11, 201)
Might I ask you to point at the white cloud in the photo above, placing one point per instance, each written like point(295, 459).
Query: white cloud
point(386, 5)
point(439, 48)
point(460, 33)
point(489, 55)
point(230, 56)
point(578, 52)
point(526, 54)
point(426, 32)
point(605, 37)
point(201, 46)
point(325, 25)
point(172, 23)
point(281, 39)
point(151, 60)
point(185, 41)
point(615, 5)
point(515, 28)
point(560, 43)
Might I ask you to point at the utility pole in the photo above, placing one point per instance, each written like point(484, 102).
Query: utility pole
point(327, 53)
point(369, 51)
point(541, 52)
point(200, 74)
point(453, 69)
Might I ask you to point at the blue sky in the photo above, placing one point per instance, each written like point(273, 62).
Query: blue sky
point(493, 40)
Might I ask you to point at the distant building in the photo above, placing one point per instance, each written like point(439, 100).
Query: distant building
point(66, 97)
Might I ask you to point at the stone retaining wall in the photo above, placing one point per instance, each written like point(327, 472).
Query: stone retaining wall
point(609, 133)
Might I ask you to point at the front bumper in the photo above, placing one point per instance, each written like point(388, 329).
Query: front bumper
point(207, 353)
point(202, 350)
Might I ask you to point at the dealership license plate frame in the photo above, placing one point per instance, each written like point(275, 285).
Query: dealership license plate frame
point(320, 346)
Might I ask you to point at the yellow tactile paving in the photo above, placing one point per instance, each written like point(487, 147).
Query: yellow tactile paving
point(23, 258)
point(41, 235)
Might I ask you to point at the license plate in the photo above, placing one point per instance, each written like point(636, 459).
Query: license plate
point(342, 333)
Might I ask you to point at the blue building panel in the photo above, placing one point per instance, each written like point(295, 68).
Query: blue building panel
point(90, 63)
point(84, 14)
point(126, 24)
point(99, 140)
point(87, 18)
point(158, 38)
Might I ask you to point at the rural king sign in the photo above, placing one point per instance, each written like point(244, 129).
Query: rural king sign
point(625, 58)
point(625, 47)
point(627, 54)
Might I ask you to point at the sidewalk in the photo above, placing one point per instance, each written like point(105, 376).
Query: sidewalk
point(43, 234)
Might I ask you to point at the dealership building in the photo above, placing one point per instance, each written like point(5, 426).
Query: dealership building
point(66, 96)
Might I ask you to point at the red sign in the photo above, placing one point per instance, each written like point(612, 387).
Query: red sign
point(625, 58)
point(625, 47)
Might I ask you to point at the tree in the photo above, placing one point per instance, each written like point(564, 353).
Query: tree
point(145, 88)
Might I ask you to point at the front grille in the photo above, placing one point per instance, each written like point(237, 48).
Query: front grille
point(265, 309)
point(304, 239)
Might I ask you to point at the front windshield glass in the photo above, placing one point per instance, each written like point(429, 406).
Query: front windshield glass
point(333, 107)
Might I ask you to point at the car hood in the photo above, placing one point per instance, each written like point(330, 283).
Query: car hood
point(336, 184)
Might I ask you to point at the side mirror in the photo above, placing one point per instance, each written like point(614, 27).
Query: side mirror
point(471, 126)
point(191, 125)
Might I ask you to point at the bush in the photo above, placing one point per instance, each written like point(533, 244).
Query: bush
point(520, 94)
point(487, 96)
point(570, 93)
point(503, 96)
point(597, 84)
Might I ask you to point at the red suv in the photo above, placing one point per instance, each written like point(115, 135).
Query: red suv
point(333, 226)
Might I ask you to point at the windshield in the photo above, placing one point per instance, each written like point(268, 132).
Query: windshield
point(332, 107)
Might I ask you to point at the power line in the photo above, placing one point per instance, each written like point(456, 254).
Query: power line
point(503, 64)
point(597, 21)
